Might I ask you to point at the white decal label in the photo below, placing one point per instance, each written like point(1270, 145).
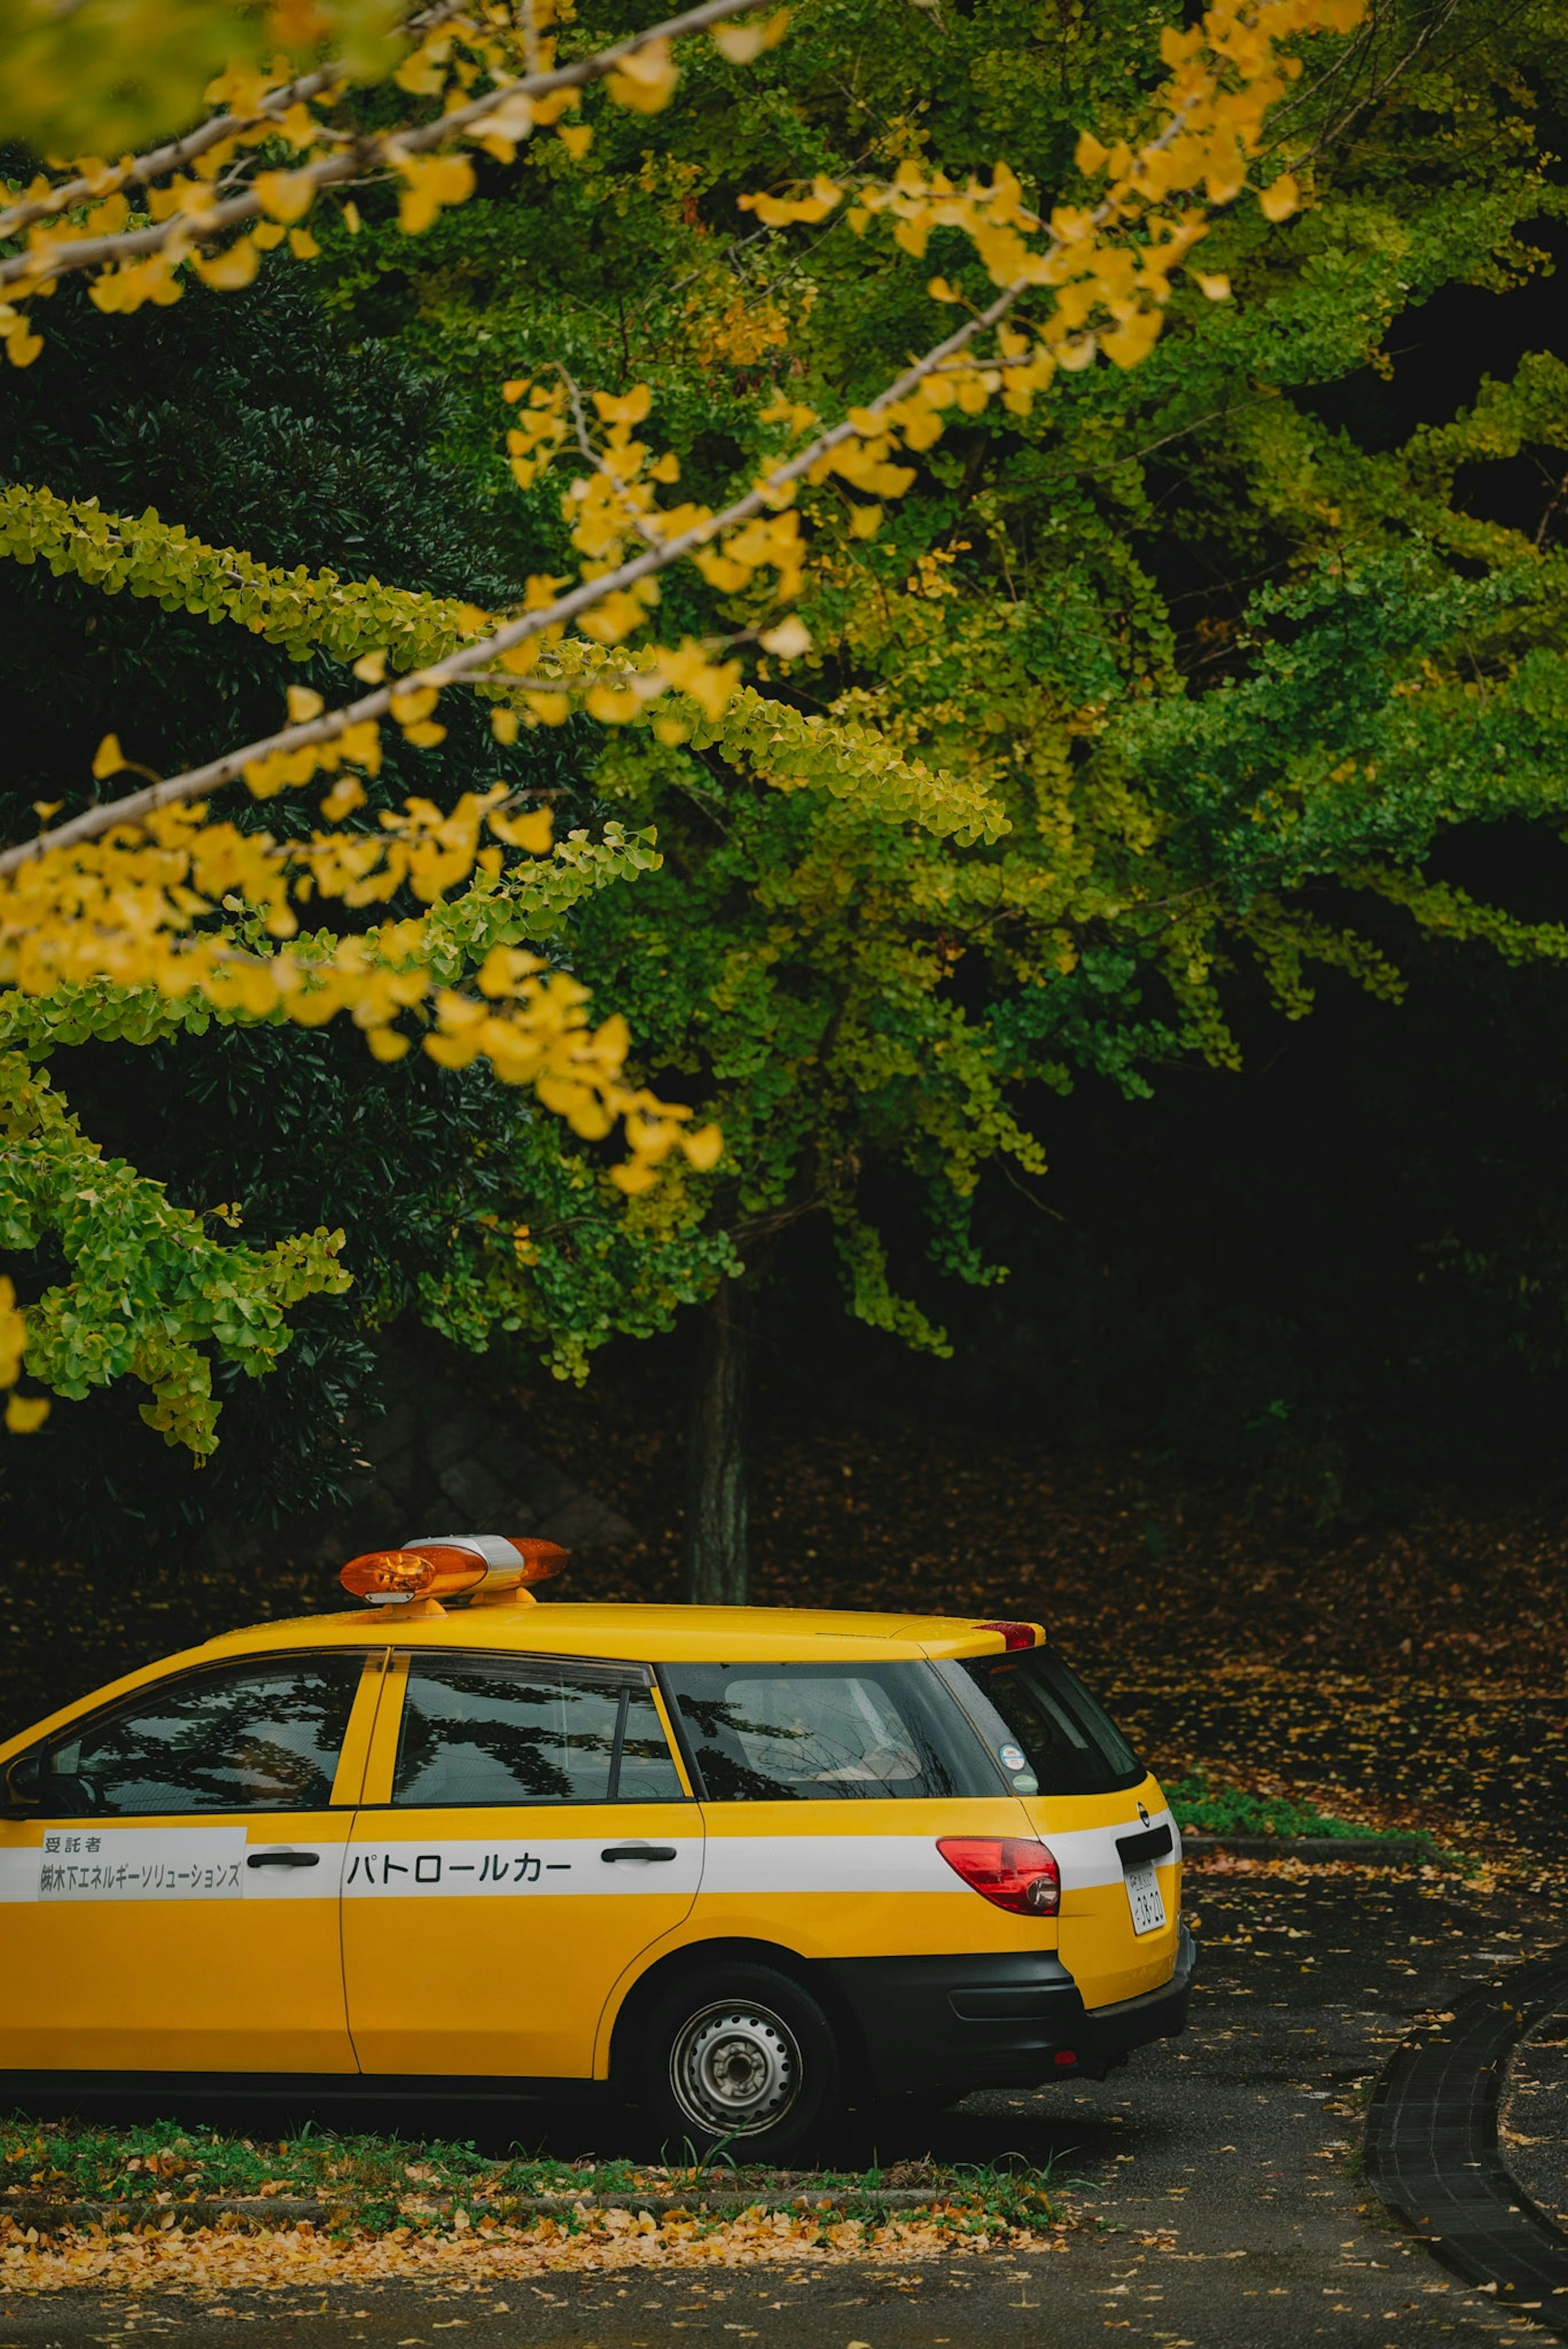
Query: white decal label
point(143, 1864)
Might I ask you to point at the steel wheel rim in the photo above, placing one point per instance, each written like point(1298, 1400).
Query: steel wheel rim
point(735, 2067)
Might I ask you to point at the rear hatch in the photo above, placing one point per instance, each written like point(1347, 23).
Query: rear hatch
point(1101, 1813)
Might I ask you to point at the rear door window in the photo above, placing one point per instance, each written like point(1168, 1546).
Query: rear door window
point(824, 1733)
point(1028, 1700)
point(493, 1733)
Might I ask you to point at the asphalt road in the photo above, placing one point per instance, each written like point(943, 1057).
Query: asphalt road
point(1222, 2191)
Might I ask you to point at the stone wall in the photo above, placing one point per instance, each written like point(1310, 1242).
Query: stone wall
point(437, 1461)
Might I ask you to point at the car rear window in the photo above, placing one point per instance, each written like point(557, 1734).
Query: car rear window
point(825, 1732)
point(1031, 1700)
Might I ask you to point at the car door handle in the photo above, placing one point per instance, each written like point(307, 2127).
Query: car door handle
point(283, 1859)
point(638, 1851)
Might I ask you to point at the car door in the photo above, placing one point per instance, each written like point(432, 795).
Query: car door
point(826, 1787)
point(526, 1836)
point(173, 1904)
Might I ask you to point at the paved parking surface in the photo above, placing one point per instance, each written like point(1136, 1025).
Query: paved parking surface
point(1222, 2194)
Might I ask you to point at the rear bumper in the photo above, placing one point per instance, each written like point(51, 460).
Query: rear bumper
point(1013, 2020)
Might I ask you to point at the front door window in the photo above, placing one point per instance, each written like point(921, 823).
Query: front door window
point(238, 1737)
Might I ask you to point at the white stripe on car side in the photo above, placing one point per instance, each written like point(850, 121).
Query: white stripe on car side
point(212, 1863)
point(826, 1863)
point(1088, 1857)
point(430, 1867)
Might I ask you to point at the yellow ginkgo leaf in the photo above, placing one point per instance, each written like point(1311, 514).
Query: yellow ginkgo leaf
point(702, 1148)
point(107, 759)
point(23, 1414)
point(285, 195)
point(346, 794)
point(1280, 201)
point(739, 43)
point(531, 832)
point(789, 640)
point(304, 703)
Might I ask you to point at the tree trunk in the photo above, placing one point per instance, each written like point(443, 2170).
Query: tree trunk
point(716, 1564)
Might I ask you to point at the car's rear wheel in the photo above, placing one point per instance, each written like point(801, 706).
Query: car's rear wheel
point(740, 2053)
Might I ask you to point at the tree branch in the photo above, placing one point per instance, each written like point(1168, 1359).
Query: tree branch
point(459, 667)
point(51, 258)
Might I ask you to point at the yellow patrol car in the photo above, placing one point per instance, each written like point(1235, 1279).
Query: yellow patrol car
point(744, 1863)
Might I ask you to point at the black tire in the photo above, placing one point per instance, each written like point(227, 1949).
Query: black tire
point(741, 2055)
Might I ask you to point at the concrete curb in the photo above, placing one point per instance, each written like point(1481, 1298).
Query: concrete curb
point(1432, 2151)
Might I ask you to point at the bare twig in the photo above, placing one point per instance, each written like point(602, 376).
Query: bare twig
point(1559, 492)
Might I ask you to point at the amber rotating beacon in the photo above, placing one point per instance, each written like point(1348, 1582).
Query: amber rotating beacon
point(481, 1567)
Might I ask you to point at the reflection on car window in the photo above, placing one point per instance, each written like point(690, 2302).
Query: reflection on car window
point(486, 1730)
point(243, 1737)
point(816, 1733)
point(647, 1772)
point(1072, 1746)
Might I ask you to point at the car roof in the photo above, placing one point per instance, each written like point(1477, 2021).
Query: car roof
point(623, 1631)
point(644, 1634)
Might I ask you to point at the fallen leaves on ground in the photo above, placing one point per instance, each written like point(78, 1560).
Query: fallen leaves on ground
point(229, 2260)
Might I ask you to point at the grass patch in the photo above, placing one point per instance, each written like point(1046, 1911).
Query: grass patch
point(1203, 1809)
point(376, 2184)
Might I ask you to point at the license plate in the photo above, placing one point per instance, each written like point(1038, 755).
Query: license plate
point(1145, 1898)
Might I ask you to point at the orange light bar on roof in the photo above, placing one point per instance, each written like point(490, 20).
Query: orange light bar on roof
point(433, 1570)
point(511, 1561)
point(454, 1566)
point(541, 1559)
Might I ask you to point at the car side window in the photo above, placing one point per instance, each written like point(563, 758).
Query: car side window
point(256, 1737)
point(646, 1773)
point(496, 1732)
point(820, 1733)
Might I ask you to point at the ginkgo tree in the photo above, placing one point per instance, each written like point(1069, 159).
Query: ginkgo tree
point(146, 898)
point(1203, 778)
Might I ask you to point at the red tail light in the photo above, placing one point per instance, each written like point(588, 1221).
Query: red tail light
point(1009, 1871)
point(1013, 1635)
